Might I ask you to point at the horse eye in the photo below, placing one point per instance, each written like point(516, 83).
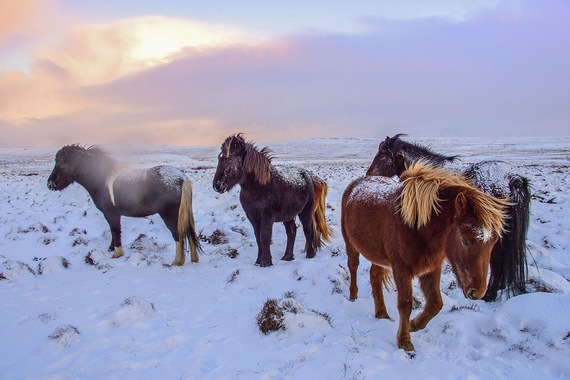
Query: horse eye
point(465, 242)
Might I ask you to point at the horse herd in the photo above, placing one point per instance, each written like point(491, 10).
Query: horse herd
point(406, 215)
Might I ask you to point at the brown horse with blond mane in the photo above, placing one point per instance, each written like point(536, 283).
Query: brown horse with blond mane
point(410, 227)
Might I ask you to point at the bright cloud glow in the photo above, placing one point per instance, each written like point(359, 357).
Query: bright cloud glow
point(99, 53)
point(96, 54)
point(156, 39)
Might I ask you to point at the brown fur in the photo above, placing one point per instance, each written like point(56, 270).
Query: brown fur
point(258, 162)
point(377, 222)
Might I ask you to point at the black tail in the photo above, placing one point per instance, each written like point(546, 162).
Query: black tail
point(508, 260)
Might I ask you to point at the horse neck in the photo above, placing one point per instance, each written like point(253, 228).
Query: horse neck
point(93, 175)
point(256, 168)
point(440, 226)
point(413, 153)
point(249, 182)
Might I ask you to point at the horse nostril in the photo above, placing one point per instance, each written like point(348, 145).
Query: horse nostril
point(472, 294)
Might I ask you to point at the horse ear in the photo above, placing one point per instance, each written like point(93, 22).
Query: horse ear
point(460, 205)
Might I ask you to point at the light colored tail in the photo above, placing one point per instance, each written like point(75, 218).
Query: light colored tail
point(323, 232)
point(186, 228)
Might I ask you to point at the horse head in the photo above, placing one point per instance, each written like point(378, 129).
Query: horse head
point(469, 247)
point(230, 163)
point(395, 155)
point(389, 160)
point(239, 158)
point(474, 220)
point(64, 171)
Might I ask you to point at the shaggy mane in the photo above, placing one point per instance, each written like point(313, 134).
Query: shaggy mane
point(258, 162)
point(92, 158)
point(414, 151)
point(420, 197)
point(255, 161)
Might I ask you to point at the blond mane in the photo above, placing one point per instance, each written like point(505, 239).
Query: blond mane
point(420, 197)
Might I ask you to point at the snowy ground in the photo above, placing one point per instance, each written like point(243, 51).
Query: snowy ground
point(69, 311)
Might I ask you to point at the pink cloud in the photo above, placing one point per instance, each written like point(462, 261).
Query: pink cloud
point(502, 73)
point(16, 16)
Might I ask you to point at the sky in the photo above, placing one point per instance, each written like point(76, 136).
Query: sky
point(193, 72)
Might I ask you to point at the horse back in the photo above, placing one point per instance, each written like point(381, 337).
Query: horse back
point(372, 224)
point(289, 192)
point(145, 192)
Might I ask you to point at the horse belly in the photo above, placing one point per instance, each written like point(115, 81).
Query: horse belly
point(278, 206)
point(290, 206)
point(140, 200)
point(134, 209)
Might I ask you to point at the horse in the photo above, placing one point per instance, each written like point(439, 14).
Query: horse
point(497, 178)
point(270, 195)
point(162, 190)
point(410, 227)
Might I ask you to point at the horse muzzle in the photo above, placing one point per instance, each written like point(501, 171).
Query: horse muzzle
point(473, 294)
point(220, 187)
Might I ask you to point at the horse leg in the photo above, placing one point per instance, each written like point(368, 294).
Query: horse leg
point(429, 284)
point(377, 279)
point(353, 260)
point(264, 252)
point(404, 287)
point(171, 221)
point(306, 218)
point(291, 230)
point(114, 221)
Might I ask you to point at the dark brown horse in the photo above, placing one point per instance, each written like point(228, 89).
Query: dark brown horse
point(269, 194)
point(411, 227)
point(162, 190)
point(496, 178)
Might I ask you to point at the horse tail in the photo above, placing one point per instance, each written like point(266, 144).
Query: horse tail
point(186, 228)
point(322, 231)
point(514, 241)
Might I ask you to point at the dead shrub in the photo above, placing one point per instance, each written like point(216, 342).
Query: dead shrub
point(271, 317)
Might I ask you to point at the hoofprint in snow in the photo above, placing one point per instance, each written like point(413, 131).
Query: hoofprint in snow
point(70, 311)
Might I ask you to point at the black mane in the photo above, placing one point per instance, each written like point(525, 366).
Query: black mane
point(92, 157)
point(412, 152)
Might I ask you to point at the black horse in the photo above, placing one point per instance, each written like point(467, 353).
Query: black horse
point(270, 195)
point(508, 259)
point(162, 190)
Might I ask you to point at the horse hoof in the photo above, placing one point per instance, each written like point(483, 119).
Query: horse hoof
point(382, 315)
point(264, 264)
point(177, 263)
point(310, 255)
point(408, 347)
point(288, 258)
